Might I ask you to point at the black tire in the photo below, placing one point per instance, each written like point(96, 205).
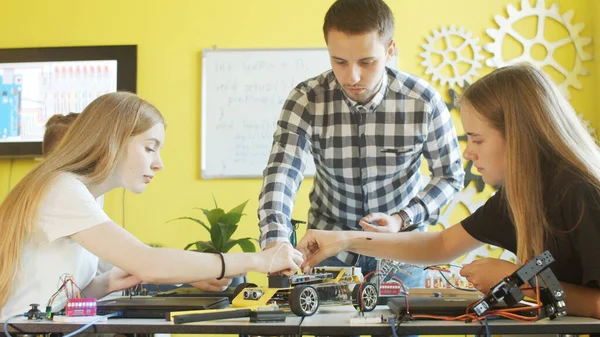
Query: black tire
point(366, 300)
point(304, 300)
point(240, 287)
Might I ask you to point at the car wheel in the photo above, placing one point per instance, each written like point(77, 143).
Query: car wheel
point(365, 299)
point(304, 300)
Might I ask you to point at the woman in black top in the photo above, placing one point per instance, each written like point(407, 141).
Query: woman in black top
point(525, 137)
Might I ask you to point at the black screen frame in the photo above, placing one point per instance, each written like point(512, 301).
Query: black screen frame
point(125, 55)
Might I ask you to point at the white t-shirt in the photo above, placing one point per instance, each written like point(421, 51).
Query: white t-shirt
point(103, 266)
point(67, 208)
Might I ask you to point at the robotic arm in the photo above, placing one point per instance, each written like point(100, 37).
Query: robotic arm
point(508, 290)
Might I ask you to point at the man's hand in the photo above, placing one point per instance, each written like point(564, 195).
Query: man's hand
point(384, 223)
point(212, 285)
point(486, 273)
point(317, 245)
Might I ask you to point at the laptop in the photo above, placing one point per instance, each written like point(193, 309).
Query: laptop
point(157, 307)
point(438, 306)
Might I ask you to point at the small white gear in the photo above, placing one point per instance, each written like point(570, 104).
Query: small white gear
point(505, 27)
point(452, 56)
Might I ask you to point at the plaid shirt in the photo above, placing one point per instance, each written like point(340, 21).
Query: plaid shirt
point(367, 156)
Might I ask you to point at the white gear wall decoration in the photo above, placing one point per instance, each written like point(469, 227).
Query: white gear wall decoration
point(452, 56)
point(505, 27)
point(587, 125)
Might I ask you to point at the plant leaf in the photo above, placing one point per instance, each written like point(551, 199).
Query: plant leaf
point(246, 244)
point(198, 221)
point(239, 208)
point(216, 236)
point(233, 217)
point(215, 200)
point(213, 215)
point(227, 230)
point(205, 246)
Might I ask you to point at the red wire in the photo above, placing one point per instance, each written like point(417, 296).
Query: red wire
point(506, 313)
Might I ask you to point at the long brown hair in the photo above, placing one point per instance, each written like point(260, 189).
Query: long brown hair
point(90, 148)
point(539, 127)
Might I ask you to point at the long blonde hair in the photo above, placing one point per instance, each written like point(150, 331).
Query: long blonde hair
point(542, 132)
point(90, 148)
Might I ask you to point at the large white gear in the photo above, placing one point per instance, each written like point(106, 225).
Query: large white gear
point(468, 42)
point(505, 27)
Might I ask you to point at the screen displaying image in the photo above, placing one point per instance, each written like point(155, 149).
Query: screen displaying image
point(31, 92)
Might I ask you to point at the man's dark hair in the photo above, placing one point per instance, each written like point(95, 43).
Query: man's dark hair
point(355, 17)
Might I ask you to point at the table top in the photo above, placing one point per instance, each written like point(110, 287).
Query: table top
point(327, 321)
point(337, 320)
point(291, 326)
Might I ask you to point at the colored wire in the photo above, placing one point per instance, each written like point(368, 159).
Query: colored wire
point(455, 287)
point(487, 327)
point(11, 318)
point(510, 313)
point(114, 314)
point(392, 322)
point(65, 279)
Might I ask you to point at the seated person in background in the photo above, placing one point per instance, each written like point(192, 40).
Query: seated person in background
point(51, 224)
point(524, 136)
point(56, 128)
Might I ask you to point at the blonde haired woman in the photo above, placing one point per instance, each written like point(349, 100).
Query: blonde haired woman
point(52, 225)
point(524, 136)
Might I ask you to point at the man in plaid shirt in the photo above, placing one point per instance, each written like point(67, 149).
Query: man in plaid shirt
point(366, 127)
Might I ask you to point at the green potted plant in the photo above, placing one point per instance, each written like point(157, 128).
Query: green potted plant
point(221, 227)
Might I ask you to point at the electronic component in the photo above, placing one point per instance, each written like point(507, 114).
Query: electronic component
point(283, 281)
point(508, 290)
point(81, 307)
point(34, 313)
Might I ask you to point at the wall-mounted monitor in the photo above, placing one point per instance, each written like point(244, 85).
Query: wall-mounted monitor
point(36, 83)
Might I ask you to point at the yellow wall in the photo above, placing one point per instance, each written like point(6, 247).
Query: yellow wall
point(170, 37)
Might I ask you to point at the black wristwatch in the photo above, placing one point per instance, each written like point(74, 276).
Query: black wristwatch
point(407, 224)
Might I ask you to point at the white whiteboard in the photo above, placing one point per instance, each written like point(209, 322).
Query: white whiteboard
point(243, 91)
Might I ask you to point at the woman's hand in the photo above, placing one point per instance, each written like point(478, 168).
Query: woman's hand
point(486, 273)
point(118, 279)
point(212, 285)
point(317, 245)
point(385, 223)
point(281, 258)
